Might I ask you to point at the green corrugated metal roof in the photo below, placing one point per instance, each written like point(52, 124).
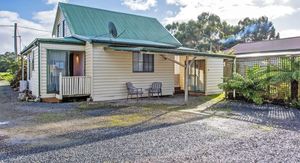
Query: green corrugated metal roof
point(65, 40)
point(93, 23)
point(178, 51)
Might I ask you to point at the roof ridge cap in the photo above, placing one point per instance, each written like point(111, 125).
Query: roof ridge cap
point(71, 4)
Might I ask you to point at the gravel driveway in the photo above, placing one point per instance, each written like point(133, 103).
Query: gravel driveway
point(228, 132)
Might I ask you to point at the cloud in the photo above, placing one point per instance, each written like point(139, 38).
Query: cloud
point(45, 17)
point(42, 20)
point(169, 13)
point(230, 10)
point(27, 35)
point(139, 4)
point(55, 1)
point(289, 33)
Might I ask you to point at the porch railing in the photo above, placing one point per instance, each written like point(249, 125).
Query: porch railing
point(73, 86)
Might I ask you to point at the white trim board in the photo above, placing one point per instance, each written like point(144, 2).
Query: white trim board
point(267, 54)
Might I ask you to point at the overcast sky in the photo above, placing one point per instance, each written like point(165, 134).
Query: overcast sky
point(39, 14)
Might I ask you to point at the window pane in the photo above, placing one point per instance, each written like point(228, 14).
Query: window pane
point(135, 61)
point(57, 62)
point(63, 28)
point(148, 62)
point(142, 62)
point(57, 30)
point(29, 65)
point(32, 58)
point(151, 63)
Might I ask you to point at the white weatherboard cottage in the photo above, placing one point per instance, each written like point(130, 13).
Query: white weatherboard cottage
point(94, 52)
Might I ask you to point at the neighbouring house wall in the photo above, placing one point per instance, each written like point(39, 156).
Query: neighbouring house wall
point(111, 70)
point(43, 52)
point(59, 20)
point(214, 75)
point(33, 82)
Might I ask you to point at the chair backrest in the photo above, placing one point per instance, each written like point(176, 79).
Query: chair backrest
point(129, 86)
point(156, 85)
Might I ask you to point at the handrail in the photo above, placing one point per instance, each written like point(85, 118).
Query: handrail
point(74, 85)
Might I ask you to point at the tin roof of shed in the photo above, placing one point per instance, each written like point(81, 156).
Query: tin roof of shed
point(280, 45)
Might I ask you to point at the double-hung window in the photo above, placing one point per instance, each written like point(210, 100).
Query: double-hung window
point(63, 28)
point(32, 61)
point(30, 65)
point(143, 62)
point(58, 30)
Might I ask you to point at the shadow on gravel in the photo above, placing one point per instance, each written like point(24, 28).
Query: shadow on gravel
point(94, 135)
point(6, 93)
point(270, 115)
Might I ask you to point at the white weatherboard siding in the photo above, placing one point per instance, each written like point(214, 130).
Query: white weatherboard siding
point(111, 70)
point(214, 75)
point(59, 20)
point(33, 83)
point(89, 63)
point(43, 52)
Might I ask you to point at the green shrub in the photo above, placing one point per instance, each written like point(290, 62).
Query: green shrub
point(295, 104)
point(8, 63)
point(6, 76)
point(253, 86)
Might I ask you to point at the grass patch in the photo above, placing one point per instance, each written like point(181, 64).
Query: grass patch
point(50, 117)
point(164, 107)
point(56, 117)
point(99, 105)
point(127, 120)
point(193, 103)
point(204, 99)
point(262, 128)
point(228, 110)
point(6, 76)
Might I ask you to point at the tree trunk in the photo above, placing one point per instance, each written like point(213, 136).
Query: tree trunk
point(294, 90)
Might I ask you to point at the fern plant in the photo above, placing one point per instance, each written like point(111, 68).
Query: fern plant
point(253, 86)
point(288, 71)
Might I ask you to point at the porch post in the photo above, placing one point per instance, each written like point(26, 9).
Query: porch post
point(186, 81)
point(22, 62)
point(234, 71)
point(60, 94)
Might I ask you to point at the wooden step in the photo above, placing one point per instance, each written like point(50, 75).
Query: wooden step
point(178, 90)
point(51, 100)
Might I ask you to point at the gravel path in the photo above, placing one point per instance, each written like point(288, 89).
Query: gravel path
point(207, 140)
point(231, 132)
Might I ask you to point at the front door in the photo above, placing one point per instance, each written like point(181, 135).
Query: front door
point(197, 76)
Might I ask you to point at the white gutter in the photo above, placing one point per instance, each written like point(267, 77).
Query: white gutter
point(267, 54)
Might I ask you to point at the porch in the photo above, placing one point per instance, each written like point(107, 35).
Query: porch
point(66, 74)
point(73, 86)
